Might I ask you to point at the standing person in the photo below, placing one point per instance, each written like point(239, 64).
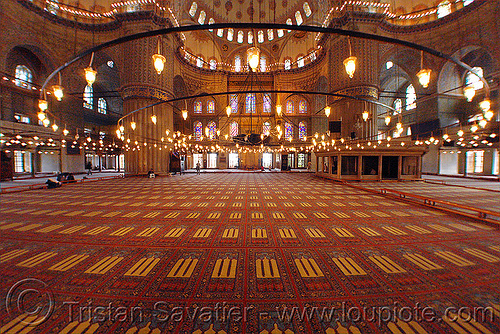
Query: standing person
point(309, 166)
point(198, 168)
point(88, 167)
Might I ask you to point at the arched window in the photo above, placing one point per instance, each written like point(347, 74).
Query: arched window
point(88, 97)
point(260, 36)
point(198, 130)
point(233, 129)
point(307, 9)
point(298, 18)
point(302, 107)
point(288, 131)
point(220, 32)
point(281, 33)
point(443, 9)
point(398, 106)
point(193, 9)
point(213, 64)
point(266, 128)
point(53, 7)
point(473, 80)
point(198, 107)
point(24, 77)
point(289, 22)
point(312, 56)
point(234, 103)
point(302, 131)
point(288, 64)
point(240, 36)
point(212, 130)
point(411, 97)
point(102, 106)
point(262, 63)
point(230, 33)
point(270, 34)
point(266, 103)
point(250, 104)
point(250, 37)
point(210, 107)
point(201, 18)
point(300, 62)
point(468, 2)
point(211, 21)
point(199, 62)
point(289, 107)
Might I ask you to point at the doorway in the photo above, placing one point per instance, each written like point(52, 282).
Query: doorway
point(212, 160)
point(267, 160)
point(390, 166)
point(234, 160)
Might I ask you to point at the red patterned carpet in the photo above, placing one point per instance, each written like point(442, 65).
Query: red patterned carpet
point(241, 253)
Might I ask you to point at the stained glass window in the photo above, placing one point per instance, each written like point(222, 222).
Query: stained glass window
point(260, 36)
point(23, 76)
point(213, 64)
point(473, 80)
point(201, 19)
point(302, 107)
point(88, 97)
point(237, 63)
point(211, 21)
point(300, 62)
point(233, 129)
point(198, 130)
point(101, 105)
point(444, 8)
point(281, 33)
point(289, 22)
point(250, 104)
point(288, 64)
point(230, 33)
point(220, 32)
point(270, 34)
point(289, 107)
point(212, 130)
point(250, 37)
point(411, 97)
point(398, 106)
point(266, 103)
point(193, 9)
point(302, 131)
point(240, 36)
point(298, 18)
point(266, 128)
point(307, 9)
point(53, 7)
point(262, 63)
point(288, 131)
point(198, 107)
point(234, 103)
point(199, 62)
point(210, 107)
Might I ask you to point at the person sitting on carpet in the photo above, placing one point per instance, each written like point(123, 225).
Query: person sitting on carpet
point(51, 184)
point(151, 173)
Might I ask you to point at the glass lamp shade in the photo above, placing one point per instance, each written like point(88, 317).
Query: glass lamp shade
point(387, 120)
point(483, 123)
point(122, 128)
point(350, 65)
point(424, 77)
point(327, 111)
point(118, 133)
point(153, 119)
point(469, 93)
point(485, 105)
point(90, 75)
point(228, 111)
point(41, 116)
point(42, 104)
point(474, 128)
point(46, 122)
point(488, 115)
point(159, 62)
point(460, 133)
point(253, 57)
point(133, 125)
point(58, 92)
point(207, 131)
point(278, 110)
point(55, 127)
point(365, 115)
point(65, 132)
point(184, 114)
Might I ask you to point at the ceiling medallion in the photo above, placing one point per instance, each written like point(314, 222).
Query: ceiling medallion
point(217, 3)
point(238, 15)
point(284, 3)
point(224, 47)
point(228, 5)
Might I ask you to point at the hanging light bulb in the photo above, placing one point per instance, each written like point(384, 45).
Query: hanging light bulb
point(153, 119)
point(460, 133)
point(399, 125)
point(90, 75)
point(482, 123)
point(122, 128)
point(184, 114)
point(387, 120)
point(46, 122)
point(445, 136)
point(474, 128)
point(469, 93)
point(278, 110)
point(41, 116)
point(58, 92)
point(424, 75)
point(55, 127)
point(118, 133)
point(133, 125)
point(365, 115)
point(228, 111)
point(488, 115)
point(350, 66)
point(485, 105)
point(159, 60)
point(42, 104)
point(253, 57)
point(327, 111)
point(65, 132)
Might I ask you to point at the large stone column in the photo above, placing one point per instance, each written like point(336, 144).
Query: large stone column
point(142, 87)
